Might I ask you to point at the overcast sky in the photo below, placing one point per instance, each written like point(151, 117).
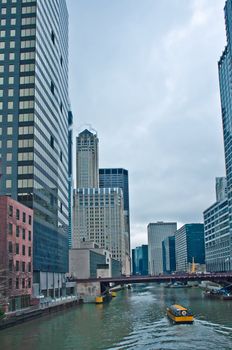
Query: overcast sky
point(143, 73)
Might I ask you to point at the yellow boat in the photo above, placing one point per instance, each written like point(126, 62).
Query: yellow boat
point(113, 294)
point(179, 314)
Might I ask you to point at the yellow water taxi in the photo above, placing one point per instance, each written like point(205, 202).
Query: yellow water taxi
point(179, 314)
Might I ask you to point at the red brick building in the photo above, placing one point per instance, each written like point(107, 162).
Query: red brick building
point(16, 249)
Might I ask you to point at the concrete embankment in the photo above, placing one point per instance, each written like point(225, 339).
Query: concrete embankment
point(30, 314)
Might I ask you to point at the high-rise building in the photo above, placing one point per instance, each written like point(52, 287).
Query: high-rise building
point(169, 254)
point(118, 177)
point(157, 232)
point(87, 160)
point(190, 247)
point(225, 81)
point(140, 260)
point(98, 217)
point(217, 233)
point(34, 123)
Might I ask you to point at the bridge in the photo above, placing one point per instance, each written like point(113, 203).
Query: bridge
point(221, 277)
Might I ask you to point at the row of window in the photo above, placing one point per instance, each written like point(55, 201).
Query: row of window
point(18, 249)
point(20, 266)
point(18, 231)
point(25, 283)
point(18, 214)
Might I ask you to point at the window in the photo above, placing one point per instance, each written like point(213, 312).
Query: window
point(29, 251)
point(10, 265)
point(52, 88)
point(10, 105)
point(3, 22)
point(11, 68)
point(26, 104)
point(11, 79)
point(2, 33)
point(29, 283)
point(13, 10)
point(10, 92)
point(17, 248)
point(24, 217)
point(17, 232)
point(17, 265)
point(29, 220)
point(12, 32)
point(52, 141)
point(10, 228)
point(29, 267)
point(23, 266)
point(9, 130)
point(13, 21)
point(10, 247)
point(9, 156)
point(10, 118)
point(17, 214)
point(23, 283)
point(53, 37)
point(10, 283)
point(29, 235)
point(17, 283)
point(10, 210)
point(2, 56)
point(8, 170)
point(23, 250)
point(8, 183)
point(2, 45)
point(12, 44)
point(24, 234)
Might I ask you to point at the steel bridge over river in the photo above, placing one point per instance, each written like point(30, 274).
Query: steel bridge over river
point(225, 277)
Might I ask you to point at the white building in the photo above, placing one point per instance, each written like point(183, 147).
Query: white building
point(87, 160)
point(98, 216)
point(157, 232)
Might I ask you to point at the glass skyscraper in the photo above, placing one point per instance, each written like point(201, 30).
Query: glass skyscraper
point(35, 122)
point(225, 80)
point(118, 177)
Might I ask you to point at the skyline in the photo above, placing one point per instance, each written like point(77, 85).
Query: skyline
point(137, 79)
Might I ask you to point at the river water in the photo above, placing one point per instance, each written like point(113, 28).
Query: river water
point(135, 319)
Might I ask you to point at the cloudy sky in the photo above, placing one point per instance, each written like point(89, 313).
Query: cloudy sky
point(143, 73)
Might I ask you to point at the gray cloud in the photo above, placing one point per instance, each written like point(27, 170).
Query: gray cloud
point(144, 74)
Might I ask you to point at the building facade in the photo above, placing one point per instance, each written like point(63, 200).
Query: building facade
point(98, 216)
point(34, 123)
point(140, 260)
point(16, 254)
point(190, 246)
point(169, 255)
point(118, 177)
point(157, 232)
point(217, 231)
point(225, 81)
point(87, 160)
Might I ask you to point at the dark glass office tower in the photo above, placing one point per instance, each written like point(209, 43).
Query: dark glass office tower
point(118, 177)
point(34, 123)
point(225, 80)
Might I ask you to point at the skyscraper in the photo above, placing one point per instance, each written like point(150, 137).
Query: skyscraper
point(157, 232)
point(87, 160)
point(118, 177)
point(34, 123)
point(225, 81)
point(189, 246)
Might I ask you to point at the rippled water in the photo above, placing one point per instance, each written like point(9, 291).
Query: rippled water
point(135, 319)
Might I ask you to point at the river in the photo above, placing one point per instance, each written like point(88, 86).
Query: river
point(135, 319)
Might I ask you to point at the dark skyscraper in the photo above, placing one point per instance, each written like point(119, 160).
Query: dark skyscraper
point(34, 123)
point(118, 177)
